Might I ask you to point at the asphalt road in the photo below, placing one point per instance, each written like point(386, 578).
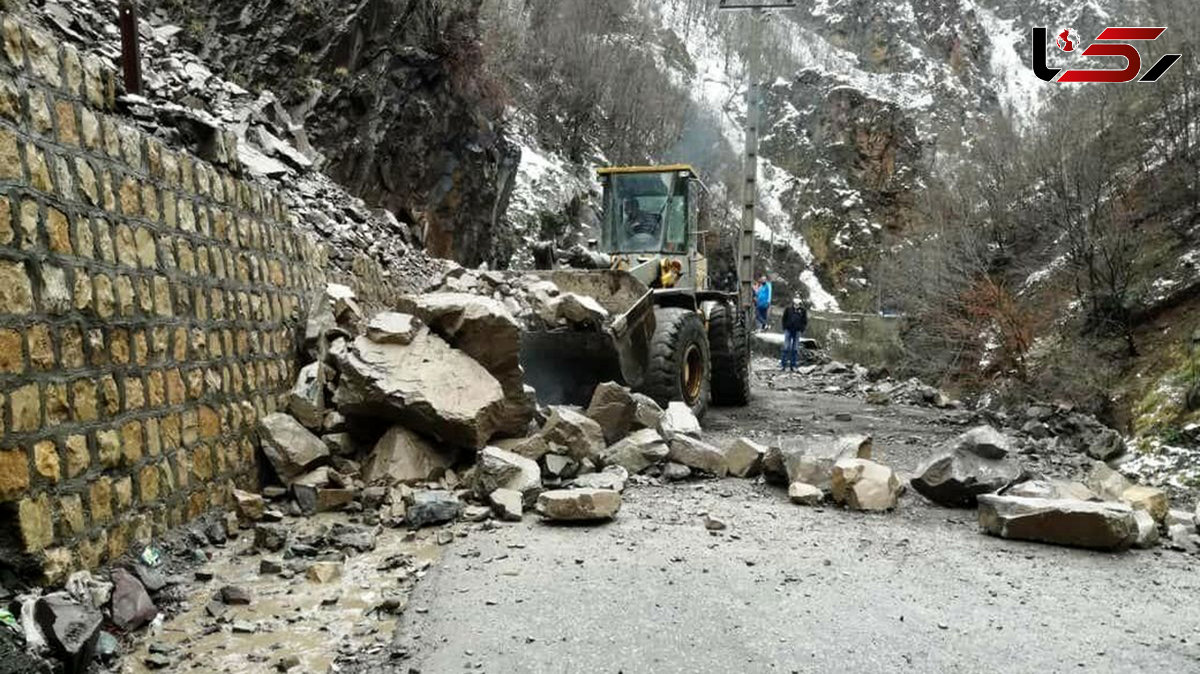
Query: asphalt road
point(792, 589)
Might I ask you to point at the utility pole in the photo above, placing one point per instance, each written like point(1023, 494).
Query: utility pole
point(758, 9)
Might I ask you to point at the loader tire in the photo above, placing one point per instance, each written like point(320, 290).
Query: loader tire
point(730, 357)
point(680, 368)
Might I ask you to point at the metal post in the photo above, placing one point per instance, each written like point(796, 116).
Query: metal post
point(131, 56)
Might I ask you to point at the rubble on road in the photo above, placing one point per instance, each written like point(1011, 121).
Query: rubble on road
point(677, 420)
point(976, 463)
point(578, 505)
point(862, 484)
point(1084, 524)
point(697, 455)
point(811, 459)
point(805, 494)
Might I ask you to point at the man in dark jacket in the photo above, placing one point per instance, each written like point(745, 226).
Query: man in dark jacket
point(795, 320)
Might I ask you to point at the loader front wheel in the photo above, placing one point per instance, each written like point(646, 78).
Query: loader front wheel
point(730, 357)
point(680, 366)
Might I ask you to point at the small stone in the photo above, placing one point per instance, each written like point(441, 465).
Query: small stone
point(802, 493)
point(233, 595)
point(269, 567)
point(713, 524)
point(507, 504)
point(324, 572)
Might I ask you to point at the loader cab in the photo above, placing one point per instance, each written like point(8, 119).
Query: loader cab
point(649, 209)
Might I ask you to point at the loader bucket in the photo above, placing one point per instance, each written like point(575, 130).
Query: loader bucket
point(564, 364)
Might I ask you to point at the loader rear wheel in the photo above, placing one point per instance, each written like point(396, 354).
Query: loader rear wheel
point(730, 357)
point(680, 367)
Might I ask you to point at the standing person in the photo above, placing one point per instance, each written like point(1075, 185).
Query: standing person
point(795, 321)
point(762, 301)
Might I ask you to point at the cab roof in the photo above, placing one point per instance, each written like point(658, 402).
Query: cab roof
point(668, 168)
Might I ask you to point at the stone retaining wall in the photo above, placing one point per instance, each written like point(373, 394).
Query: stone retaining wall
point(149, 304)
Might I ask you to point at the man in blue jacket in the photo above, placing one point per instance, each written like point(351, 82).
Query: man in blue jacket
point(762, 301)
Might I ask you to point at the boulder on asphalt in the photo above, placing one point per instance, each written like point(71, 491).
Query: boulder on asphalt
point(612, 477)
point(698, 455)
point(679, 420)
point(1149, 499)
point(390, 327)
point(306, 400)
point(290, 447)
point(1107, 483)
point(426, 385)
point(580, 436)
point(1084, 524)
point(485, 330)
point(403, 457)
point(131, 605)
point(250, 506)
point(578, 505)
point(498, 469)
point(1052, 489)
point(1147, 530)
point(647, 413)
point(70, 627)
point(805, 494)
point(811, 459)
point(985, 442)
point(958, 476)
point(507, 504)
point(745, 457)
point(862, 484)
point(432, 506)
point(637, 451)
point(614, 408)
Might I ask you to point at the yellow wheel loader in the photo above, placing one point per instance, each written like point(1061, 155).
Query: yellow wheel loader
point(669, 334)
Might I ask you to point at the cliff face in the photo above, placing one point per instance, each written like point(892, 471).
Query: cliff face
point(392, 92)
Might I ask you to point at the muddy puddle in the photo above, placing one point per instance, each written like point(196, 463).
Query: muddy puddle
point(287, 618)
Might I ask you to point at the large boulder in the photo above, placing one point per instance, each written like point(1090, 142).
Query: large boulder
point(637, 451)
point(484, 329)
point(290, 447)
point(498, 469)
point(862, 484)
point(426, 385)
point(698, 455)
point(131, 605)
point(1149, 499)
point(1107, 483)
point(984, 441)
point(745, 457)
point(811, 459)
point(306, 400)
point(581, 437)
point(403, 457)
point(958, 476)
point(614, 408)
point(647, 414)
point(1084, 524)
point(1052, 489)
point(1147, 530)
point(71, 629)
point(578, 505)
point(678, 419)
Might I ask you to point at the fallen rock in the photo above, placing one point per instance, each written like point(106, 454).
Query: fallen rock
point(1149, 499)
point(290, 447)
point(698, 455)
point(233, 595)
point(647, 413)
point(324, 572)
point(390, 327)
point(581, 309)
point(1085, 524)
point(745, 457)
point(578, 505)
point(344, 304)
point(322, 499)
point(432, 507)
point(637, 452)
point(498, 469)
point(614, 408)
point(1147, 530)
point(131, 605)
point(306, 400)
point(507, 504)
point(805, 494)
point(534, 447)
point(579, 435)
point(270, 537)
point(1052, 489)
point(250, 507)
point(403, 457)
point(426, 386)
point(1183, 538)
point(675, 472)
point(679, 420)
point(1107, 483)
point(1175, 516)
point(862, 484)
point(957, 477)
point(71, 629)
point(811, 459)
point(612, 477)
point(560, 466)
point(985, 442)
point(1105, 445)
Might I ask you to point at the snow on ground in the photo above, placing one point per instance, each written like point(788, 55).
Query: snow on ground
point(1019, 89)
